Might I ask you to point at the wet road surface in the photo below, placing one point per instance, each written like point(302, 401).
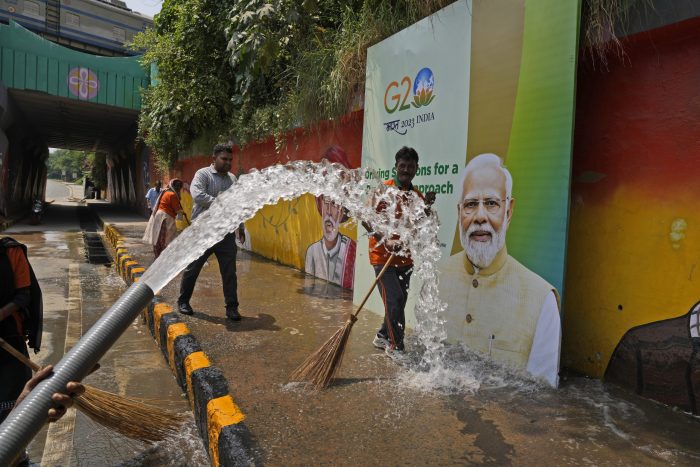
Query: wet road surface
point(381, 413)
point(78, 292)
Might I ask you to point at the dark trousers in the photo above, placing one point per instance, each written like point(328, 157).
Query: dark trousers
point(225, 252)
point(393, 287)
point(13, 373)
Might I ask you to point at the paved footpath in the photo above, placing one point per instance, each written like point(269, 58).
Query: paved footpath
point(76, 293)
point(377, 415)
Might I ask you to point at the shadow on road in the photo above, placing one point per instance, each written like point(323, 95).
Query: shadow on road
point(263, 322)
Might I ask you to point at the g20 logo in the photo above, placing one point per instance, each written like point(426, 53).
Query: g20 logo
point(397, 94)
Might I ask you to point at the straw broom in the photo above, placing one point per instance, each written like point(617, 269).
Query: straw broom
point(129, 417)
point(320, 367)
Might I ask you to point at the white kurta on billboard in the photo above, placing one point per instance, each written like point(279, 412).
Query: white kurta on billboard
point(417, 95)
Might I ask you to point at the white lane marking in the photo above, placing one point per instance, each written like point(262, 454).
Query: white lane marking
point(58, 449)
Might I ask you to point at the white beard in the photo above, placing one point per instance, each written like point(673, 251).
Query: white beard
point(482, 254)
point(335, 225)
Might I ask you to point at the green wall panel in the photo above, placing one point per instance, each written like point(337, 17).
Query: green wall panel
point(7, 66)
point(20, 67)
point(42, 72)
point(30, 62)
point(30, 76)
point(61, 79)
point(52, 76)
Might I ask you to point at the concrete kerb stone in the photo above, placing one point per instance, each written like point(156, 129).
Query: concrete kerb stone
point(184, 346)
point(166, 321)
point(7, 223)
point(219, 420)
point(208, 383)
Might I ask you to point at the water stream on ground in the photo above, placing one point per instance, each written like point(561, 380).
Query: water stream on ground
point(584, 421)
point(350, 188)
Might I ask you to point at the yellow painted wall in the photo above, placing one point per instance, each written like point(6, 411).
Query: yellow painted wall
point(636, 251)
point(284, 231)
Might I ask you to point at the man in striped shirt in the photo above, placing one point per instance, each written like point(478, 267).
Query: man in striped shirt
point(206, 185)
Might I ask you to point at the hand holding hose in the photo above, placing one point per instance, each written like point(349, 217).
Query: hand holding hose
point(63, 400)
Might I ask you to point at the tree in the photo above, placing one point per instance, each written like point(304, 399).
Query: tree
point(69, 162)
point(246, 69)
point(193, 94)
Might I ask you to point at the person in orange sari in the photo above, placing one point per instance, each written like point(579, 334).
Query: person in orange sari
point(162, 228)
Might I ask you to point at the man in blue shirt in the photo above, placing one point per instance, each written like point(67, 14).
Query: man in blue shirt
point(152, 197)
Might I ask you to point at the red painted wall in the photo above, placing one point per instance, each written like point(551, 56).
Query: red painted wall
point(634, 229)
point(639, 120)
point(300, 145)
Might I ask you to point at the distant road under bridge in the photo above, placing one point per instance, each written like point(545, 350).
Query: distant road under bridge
point(52, 96)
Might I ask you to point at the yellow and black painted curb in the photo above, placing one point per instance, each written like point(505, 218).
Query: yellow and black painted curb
point(219, 420)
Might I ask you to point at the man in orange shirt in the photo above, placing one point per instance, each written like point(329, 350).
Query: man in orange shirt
point(395, 282)
point(15, 299)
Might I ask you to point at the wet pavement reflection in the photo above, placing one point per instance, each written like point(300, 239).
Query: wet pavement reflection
point(133, 367)
point(380, 413)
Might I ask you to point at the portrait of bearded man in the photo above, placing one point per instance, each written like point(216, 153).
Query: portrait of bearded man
point(332, 257)
point(495, 305)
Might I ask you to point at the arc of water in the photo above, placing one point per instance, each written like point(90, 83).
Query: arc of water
point(416, 230)
point(354, 189)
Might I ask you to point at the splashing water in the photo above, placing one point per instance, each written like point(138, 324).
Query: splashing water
point(436, 366)
point(461, 370)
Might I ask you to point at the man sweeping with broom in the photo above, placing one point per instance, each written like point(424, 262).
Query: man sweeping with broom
point(392, 274)
point(395, 281)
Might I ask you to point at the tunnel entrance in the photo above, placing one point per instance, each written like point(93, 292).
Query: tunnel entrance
point(52, 96)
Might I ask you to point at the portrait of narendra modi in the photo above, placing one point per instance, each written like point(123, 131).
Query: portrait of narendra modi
point(495, 305)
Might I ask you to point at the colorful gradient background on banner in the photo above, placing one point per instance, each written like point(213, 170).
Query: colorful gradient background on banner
point(521, 108)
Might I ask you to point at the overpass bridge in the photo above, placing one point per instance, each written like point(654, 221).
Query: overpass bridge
point(53, 96)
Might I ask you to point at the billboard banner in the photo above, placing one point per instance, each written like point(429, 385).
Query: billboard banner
point(483, 90)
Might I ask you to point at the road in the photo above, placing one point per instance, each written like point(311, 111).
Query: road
point(467, 411)
point(378, 413)
point(76, 291)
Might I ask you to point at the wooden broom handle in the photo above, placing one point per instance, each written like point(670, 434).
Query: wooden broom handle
point(19, 355)
point(376, 280)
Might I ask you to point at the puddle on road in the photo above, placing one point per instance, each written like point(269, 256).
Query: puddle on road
point(103, 447)
point(134, 366)
point(466, 411)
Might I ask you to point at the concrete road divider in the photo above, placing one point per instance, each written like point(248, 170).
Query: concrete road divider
point(219, 420)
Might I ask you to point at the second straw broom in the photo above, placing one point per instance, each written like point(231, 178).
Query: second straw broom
point(320, 367)
point(129, 417)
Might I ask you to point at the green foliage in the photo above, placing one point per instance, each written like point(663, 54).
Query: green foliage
point(246, 69)
point(194, 88)
point(69, 161)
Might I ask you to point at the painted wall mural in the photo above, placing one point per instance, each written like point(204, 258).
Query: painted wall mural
point(634, 241)
point(332, 257)
point(307, 233)
point(83, 83)
point(661, 360)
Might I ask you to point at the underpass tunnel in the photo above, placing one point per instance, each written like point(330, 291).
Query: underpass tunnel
point(55, 97)
point(32, 122)
point(23, 154)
